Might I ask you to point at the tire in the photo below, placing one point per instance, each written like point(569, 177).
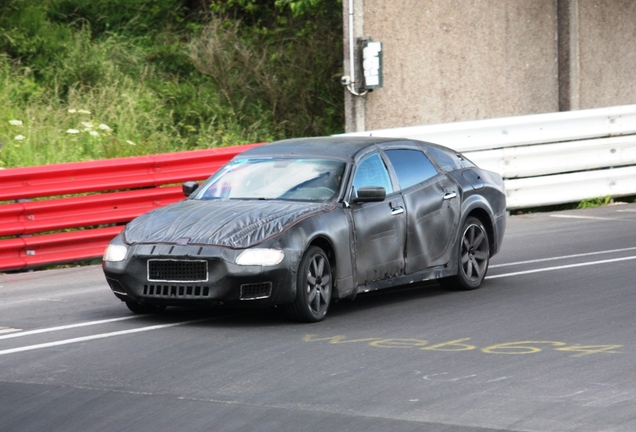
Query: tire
point(313, 287)
point(473, 257)
point(143, 309)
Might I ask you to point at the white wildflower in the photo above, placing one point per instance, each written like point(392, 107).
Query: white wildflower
point(94, 133)
point(72, 131)
point(130, 142)
point(87, 125)
point(19, 138)
point(104, 127)
point(72, 110)
point(15, 122)
point(83, 111)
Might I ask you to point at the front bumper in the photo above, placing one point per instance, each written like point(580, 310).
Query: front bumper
point(215, 280)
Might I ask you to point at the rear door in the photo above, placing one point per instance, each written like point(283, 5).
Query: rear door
point(432, 205)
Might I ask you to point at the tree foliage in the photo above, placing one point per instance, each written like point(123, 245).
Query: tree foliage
point(277, 55)
point(204, 72)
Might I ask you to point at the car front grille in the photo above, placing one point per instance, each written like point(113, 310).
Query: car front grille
point(255, 291)
point(177, 270)
point(172, 291)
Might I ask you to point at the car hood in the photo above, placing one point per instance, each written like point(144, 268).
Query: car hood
point(235, 223)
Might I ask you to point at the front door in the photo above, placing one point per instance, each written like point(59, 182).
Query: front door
point(379, 228)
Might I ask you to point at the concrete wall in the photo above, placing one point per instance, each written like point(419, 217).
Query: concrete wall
point(607, 53)
point(456, 60)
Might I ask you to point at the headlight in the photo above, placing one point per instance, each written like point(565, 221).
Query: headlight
point(115, 253)
point(262, 257)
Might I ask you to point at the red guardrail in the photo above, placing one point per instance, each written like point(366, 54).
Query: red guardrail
point(127, 187)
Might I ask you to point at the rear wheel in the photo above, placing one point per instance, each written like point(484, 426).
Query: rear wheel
point(313, 287)
point(474, 257)
point(140, 308)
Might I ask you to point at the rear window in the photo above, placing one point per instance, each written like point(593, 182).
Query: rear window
point(411, 167)
point(448, 160)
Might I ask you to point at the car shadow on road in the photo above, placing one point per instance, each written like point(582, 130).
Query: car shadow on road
point(275, 317)
point(389, 296)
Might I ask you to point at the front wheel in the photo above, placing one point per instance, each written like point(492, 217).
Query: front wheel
point(474, 257)
point(313, 287)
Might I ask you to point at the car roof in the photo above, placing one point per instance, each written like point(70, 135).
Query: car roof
point(333, 147)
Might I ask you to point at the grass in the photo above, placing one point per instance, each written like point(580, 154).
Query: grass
point(82, 80)
point(121, 117)
point(584, 204)
point(595, 202)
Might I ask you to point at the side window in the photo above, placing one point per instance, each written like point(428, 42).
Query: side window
point(447, 159)
point(411, 166)
point(372, 172)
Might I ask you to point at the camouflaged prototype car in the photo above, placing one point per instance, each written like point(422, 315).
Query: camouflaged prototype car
point(303, 222)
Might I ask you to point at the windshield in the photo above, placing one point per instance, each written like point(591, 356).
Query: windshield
point(275, 178)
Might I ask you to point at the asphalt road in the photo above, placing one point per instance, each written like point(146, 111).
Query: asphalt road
point(547, 344)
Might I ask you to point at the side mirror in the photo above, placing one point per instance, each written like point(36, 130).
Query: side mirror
point(189, 187)
point(370, 194)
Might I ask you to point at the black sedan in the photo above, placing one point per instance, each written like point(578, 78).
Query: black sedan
point(303, 222)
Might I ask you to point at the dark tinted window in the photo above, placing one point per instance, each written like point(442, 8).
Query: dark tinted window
point(411, 166)
point(448, 160)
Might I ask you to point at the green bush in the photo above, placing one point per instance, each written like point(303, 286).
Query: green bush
point(92, 79)
point(127, 17)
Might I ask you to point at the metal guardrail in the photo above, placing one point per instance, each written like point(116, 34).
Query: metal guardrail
point(62, 229)
point(546, 159)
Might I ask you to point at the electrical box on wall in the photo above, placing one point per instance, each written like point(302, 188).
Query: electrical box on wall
point(372, 64)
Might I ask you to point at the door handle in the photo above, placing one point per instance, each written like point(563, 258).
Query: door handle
point(397, 210)
point(450, 195)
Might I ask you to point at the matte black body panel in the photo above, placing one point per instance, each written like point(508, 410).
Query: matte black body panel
point(379, 239)
point(433, 222)
point(235, 224)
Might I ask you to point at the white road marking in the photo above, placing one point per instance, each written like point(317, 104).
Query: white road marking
point(546, 269)
point(66, 327)
point(583, 217)
point(564, 257)
point(96, 336)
